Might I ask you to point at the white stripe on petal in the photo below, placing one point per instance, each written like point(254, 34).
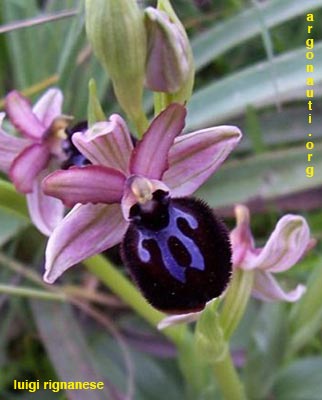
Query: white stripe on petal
point(86, 230)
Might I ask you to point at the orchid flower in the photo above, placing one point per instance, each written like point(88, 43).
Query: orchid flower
point(121, 175)
point(28, 159)
point(286, 246)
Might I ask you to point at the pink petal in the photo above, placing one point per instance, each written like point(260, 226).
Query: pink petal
point(129, 199)
point(90, 184)
point(150, 156)
point(285, 247)
point(106, 143)
point(45, 211)
point(10, 147)
point(29, 163)
point(196, 156)
point(86, 230)
point(49, 106)
point(182, 318)
point(22, 116)
point(178, 319)
point(241, 237)
point(266, 288)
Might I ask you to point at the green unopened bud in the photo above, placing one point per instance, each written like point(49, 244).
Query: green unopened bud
point(168, 62)
point(116, 31)
point(209, 337)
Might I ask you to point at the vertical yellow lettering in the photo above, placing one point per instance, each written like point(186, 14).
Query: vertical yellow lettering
point(310, 17)
point(309, 68)
point(310, 81)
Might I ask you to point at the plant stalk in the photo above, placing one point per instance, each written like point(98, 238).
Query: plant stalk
point(228, 379)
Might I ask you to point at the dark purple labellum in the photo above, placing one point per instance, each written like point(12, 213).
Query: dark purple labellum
point(74, 157)
point(178, 252)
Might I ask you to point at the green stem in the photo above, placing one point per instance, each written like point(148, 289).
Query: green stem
point(228, 379)
point(236, 300)
point(141, 123)
point(158, 104)
point(30, 292)
point(161, 101)
point(124, 289)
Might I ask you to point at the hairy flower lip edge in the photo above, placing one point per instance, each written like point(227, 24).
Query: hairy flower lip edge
point(265, 288)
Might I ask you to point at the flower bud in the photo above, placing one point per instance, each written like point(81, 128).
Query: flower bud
point(209, 337)
point(116, 31)
point(168, 58)
point(170, 67)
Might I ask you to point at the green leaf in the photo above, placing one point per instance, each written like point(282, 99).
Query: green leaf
point(10, 225)
point(74, 39)
point(254, 87)
point(29, 62)
point(300, 381)
point(306, 317)
point(21, 51)
point(266, 350)
point(254, 131)
point(150, 373)
point(286, 126)
point(223, 36)
point(263, 177)
point(11, 200)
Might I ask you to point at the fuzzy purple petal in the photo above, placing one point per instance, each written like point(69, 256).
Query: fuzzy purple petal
point(22, 116)
point(106, 143)
point(266, 288)
point(86, 230)
point(45, 211)
point(90, 184)
point(49, 106)
point(10, 147)
point(27, 165)
point(196, 156)
point(286, 245)
point(150, 156)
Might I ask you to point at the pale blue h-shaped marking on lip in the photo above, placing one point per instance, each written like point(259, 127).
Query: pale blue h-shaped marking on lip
point(162, 238)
